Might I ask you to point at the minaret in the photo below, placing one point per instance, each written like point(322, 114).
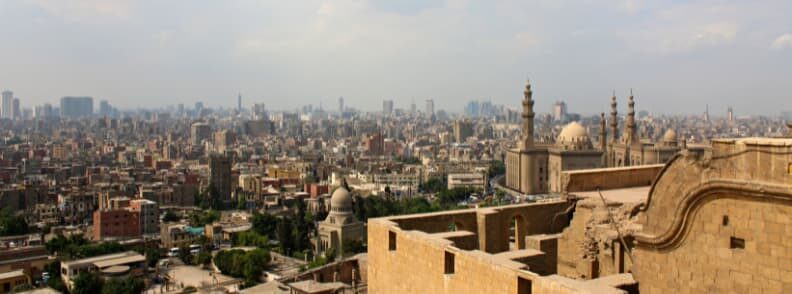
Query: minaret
point(603, 133)
point(527, 141)
point(603, 140)
point(614, 123)
point(629, 128)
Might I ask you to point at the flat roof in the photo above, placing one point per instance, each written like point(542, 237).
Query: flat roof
point(623, 195)
point(106, 260)
point(311, 286)
point(12, 274)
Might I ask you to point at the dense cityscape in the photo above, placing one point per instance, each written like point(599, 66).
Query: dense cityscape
point(410, 146)
point(234, 199)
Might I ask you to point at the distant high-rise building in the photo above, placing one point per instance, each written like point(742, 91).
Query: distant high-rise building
point(104, 108)
point(341, 104)
point(44, 111)
point(16, 113)
point(198, 107)
point(730, 114)
point(559, 111)
point(387, 106)
point(413, 108)
point(239, 102)
point(706, 113)
point(76, 107)
point(472, 108)
point(430, 107)
point(6, 109)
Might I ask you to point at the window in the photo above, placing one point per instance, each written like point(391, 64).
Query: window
point(725, 220)
point(524, 286)
point(736, 243)
point(449, 263)
point(391, 241)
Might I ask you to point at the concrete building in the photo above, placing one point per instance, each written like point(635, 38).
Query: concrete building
point(149, 215)
point(430, 108)
point(199, 132)
point(125, 264)
point(387, 106)
point(10, 280)
point(559, 111)
point(463, 129)
point(115, 223)
point(467, 180)
point(220, 175)
point(698, 224)
point(340, 226)
point(7, 107)
point(76, 107)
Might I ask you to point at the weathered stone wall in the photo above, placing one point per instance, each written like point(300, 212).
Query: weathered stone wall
point(409, 260)
point(609, 178)
point(704, 261)
point(720, 223)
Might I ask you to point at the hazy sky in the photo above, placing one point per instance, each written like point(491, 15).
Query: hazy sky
point(677, 55)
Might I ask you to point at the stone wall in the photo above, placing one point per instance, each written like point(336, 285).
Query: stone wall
point(705, 262)
point(403, 258)
point(609, 178)
point(720, 223)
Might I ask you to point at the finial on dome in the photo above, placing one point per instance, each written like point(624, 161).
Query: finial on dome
point(344, 183)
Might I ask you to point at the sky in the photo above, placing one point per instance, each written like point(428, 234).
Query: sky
point(677, 56)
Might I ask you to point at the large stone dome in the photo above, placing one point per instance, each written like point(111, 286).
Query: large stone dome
point(670, 136)
point(574, 137)
point(341, 199)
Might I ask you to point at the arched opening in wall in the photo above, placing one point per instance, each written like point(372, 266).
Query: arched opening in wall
point(455, 226)
point(517, 233)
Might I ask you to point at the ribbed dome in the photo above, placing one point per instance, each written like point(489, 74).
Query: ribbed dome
point(574, 137)
point(670, 136)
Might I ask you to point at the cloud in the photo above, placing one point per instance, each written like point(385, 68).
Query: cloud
point(85, 10)
point(782, 42)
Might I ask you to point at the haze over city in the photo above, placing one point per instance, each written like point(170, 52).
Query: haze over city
point(678, 56)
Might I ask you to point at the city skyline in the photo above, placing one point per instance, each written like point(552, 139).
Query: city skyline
point(678, 56)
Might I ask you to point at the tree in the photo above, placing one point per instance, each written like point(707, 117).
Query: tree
point(170, 216)
point(265, 224)
point(87, 283)
point(285, 235)
point(354, 246)
point(11, 224)
point(152, 255)
point(497, 167)
point(55, 281)
point(203, 258)
point(123, 286)
point(202, 218)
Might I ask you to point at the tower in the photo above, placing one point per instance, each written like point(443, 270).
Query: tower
point(603, 140)
point(614, 119)
point(527, 140)
point(239, 102)
point(730, 114)
point(629, 125)
point(341, 104)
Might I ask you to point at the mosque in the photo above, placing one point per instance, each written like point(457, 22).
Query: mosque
point(536, 167)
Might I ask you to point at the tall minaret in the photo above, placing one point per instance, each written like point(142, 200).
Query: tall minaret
point(603, 133)
point(629, 128)
point(614, 120)
point(527, 141)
